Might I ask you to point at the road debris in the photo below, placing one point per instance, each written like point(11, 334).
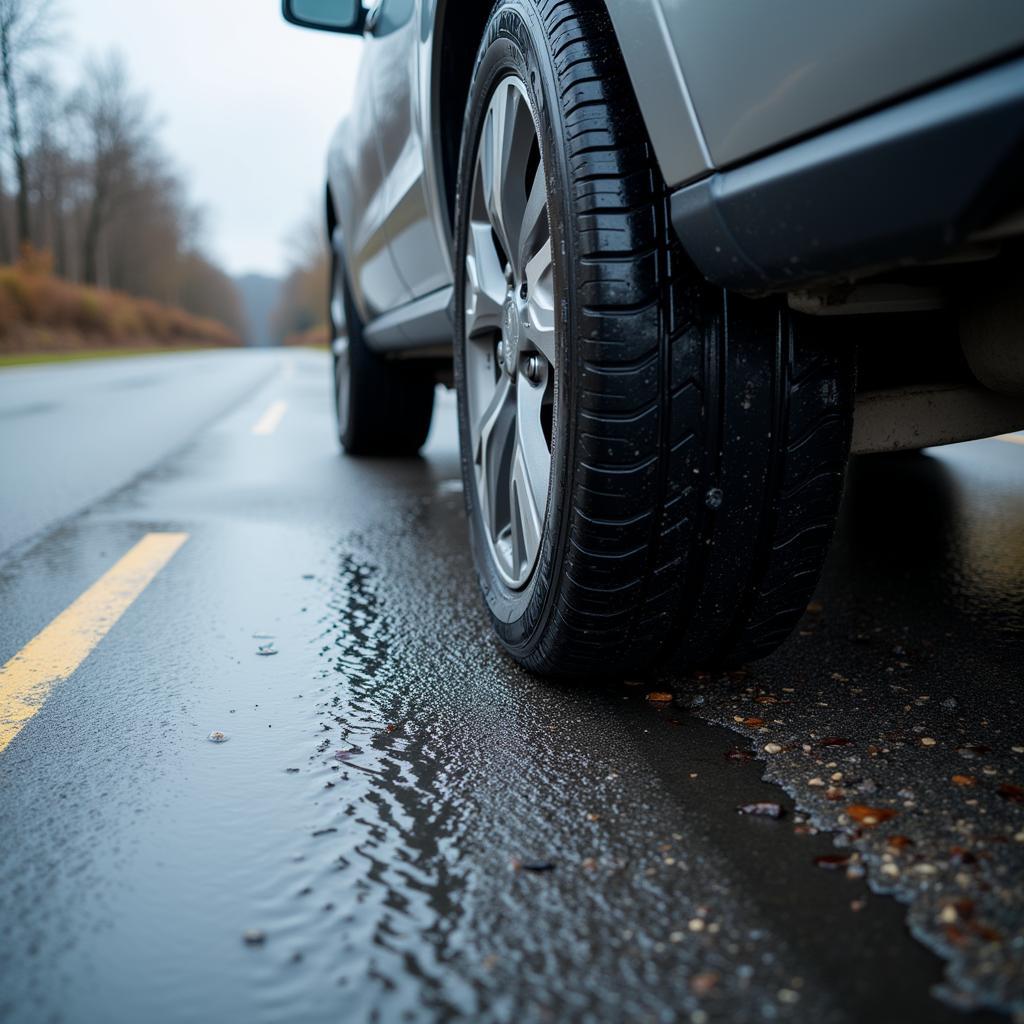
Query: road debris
point(762, 809)
point(869, 816)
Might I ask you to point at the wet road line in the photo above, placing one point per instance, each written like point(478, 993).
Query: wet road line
point(55, 653)
point(1011, 438)
point(271, 419)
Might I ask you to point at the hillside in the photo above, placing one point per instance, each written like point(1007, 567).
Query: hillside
point(41, 313)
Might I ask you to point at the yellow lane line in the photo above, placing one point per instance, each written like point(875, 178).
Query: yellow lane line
point(1012, 438)
point(54, 654)
point(269, 421)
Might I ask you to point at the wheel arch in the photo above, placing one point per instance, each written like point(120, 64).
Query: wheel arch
point(458, 30)
point(651, 63)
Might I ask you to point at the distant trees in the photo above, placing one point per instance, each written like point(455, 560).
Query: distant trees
point(92, 185)
point(25, 27)
point(301, 312)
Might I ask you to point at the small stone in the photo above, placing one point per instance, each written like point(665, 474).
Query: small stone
point(772, 748)
point(713, 499)
point(816, 781)
point(254, 937)
point(696, 924)
point(704, 982)
point(217, 736)
point(927, 741)
point(788, 996)
point(763, 809)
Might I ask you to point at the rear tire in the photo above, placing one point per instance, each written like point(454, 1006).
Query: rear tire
point(383, 407)
point(698, 439)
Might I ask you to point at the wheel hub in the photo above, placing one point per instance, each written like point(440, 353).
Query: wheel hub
point(511, 329)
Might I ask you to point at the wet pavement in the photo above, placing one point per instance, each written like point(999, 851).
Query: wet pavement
point(401, 825)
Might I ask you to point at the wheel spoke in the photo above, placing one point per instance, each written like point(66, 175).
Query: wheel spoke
point(485, 281)
point(505, 151)
point(533, 231)
point(495, 435)
point(531, 469)
point(539, 328)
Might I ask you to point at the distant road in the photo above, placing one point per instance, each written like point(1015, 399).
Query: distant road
point(71, 433)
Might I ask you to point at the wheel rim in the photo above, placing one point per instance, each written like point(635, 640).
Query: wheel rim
point(339, 340)
point(511, 360)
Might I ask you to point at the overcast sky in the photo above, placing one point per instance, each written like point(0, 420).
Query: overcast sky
point(248, 104)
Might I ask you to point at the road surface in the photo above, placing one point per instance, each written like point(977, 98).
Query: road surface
point(398, 824)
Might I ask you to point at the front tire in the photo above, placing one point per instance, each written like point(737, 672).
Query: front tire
point(382, 407)
point(696, 440)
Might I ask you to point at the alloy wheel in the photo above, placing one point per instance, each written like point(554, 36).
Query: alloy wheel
point(511, 358)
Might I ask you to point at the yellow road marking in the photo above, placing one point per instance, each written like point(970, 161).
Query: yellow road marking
point(269, 421)
point(1012, 438)
point(54, 654)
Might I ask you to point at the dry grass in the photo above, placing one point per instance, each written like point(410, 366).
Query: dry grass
point(43, 313)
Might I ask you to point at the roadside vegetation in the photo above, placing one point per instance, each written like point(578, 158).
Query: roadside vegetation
point(301, 314)
point(43, 314)
point(100, 245)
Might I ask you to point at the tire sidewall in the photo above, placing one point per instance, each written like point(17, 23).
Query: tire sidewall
point(516, 43)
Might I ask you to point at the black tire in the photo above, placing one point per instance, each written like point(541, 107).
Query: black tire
point(699, 438)
point(382, 407)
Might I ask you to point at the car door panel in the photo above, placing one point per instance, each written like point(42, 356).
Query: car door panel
point(358, 186)
point(418, 249)
point(763, 73)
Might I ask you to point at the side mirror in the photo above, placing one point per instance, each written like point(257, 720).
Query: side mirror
point(326, 15)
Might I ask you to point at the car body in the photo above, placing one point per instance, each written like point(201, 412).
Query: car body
point(862, 165)
point(740, 100)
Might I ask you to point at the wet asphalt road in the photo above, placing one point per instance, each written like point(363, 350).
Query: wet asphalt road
point(389, 778)
point(71, 434)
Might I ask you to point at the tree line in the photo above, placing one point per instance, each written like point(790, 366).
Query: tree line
point(85, 179)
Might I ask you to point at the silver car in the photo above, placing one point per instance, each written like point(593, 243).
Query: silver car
point(680, 258)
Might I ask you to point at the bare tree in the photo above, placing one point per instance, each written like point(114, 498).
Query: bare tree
point(115, 127)
point(52, 169)
point(302, 303)
point(25, 27)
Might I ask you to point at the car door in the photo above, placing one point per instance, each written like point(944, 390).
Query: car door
point(418, 248)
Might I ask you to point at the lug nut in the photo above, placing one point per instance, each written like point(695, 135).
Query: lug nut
point(533, 369)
